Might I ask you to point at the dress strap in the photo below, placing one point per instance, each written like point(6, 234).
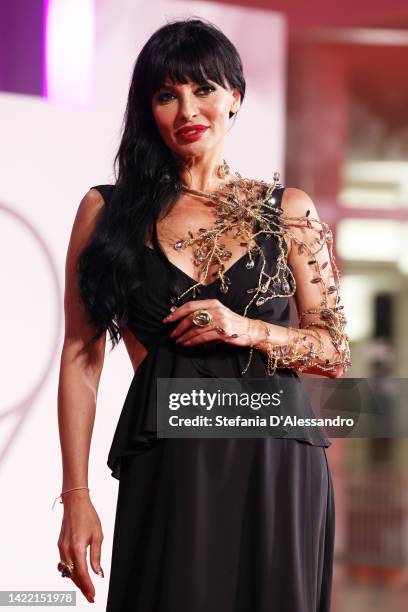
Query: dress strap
point(278, 193)
point(106, 191)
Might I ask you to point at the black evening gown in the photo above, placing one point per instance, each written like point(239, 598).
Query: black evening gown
point(214, 525)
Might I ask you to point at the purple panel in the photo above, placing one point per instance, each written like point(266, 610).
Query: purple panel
point(21, 47)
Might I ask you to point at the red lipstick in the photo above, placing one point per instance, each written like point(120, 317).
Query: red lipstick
point(191, 132)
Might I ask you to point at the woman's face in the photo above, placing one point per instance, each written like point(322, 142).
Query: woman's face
point(193, 119)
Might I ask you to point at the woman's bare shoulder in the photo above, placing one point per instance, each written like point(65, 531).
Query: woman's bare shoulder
point(91, 203)
point(296, 203)
point(87, 214)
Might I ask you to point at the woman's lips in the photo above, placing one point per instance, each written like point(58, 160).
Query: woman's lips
point(192, 133)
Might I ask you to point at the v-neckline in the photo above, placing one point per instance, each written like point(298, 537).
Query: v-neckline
point(173, 265)
point(190, 278)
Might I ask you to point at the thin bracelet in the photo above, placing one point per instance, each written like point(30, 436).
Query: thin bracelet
point(67, 491)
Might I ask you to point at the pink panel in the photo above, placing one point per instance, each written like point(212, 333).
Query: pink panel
point(69, 42)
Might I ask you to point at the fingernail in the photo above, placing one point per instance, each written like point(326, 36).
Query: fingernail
point(100, 572)
point(90, 597)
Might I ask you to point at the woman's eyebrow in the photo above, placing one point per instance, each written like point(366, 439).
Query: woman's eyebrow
point(167, 86)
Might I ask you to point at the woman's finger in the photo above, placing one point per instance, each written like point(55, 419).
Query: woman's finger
point(185, 324)
point(192, 332)
point(187, 321)
point(203, 336)
point(80, 574)
point(226, 326)
point(190, 307)
point(95, 554)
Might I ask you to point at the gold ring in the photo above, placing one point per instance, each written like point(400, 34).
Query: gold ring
point(66, 568)
point(202, 318)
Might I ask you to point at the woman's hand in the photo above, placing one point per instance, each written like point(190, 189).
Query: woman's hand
point(246, 331)
point(81, 526)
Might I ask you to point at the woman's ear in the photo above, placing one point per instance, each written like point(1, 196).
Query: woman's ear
point(236, 102)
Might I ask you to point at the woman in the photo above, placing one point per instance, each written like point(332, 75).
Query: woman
point(193, 266)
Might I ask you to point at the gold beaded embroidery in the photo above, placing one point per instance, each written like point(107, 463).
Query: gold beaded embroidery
point(302, 350)
point(244, 205)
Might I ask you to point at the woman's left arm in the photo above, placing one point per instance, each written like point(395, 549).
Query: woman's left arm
point(320, 344)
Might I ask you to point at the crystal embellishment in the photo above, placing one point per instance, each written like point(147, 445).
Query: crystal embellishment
point(247, 209)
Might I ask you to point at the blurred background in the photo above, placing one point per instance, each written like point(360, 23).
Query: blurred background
point(327, 107)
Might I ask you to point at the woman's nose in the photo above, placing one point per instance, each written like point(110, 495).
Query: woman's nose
point(187, 108)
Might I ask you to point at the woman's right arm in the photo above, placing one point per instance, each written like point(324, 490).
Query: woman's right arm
point(80, 372)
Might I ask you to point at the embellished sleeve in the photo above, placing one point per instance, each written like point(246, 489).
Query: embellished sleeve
point(320, 344)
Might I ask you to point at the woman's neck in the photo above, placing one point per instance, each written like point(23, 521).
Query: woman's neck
point(203, 174)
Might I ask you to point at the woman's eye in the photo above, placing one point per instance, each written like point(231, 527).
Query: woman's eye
point(164, 97)
point(167, 96)
point(206, 89)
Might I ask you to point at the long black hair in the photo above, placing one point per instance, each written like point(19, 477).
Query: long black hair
point(147, 175)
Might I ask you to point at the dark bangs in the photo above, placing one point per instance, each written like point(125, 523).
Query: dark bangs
point(188, 51)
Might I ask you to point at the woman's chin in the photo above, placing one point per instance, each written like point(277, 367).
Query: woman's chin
point(193, 148)
point(199, 144)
